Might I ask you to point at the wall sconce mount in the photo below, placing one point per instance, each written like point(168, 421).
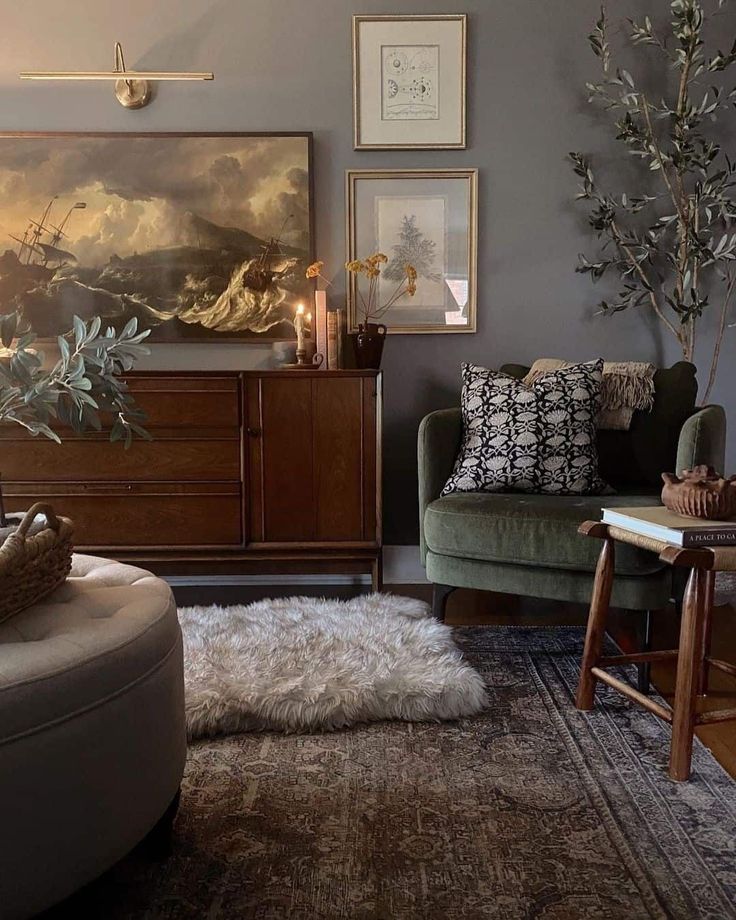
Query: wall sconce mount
point(132, 87)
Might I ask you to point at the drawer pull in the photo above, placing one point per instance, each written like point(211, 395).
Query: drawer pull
point(106, 487)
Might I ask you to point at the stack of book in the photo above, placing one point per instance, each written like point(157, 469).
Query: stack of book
point(335, 339)
point(660, 524)
point(329, 332)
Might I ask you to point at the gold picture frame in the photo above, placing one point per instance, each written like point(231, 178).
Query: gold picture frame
point(444, 248)
point(441, 74)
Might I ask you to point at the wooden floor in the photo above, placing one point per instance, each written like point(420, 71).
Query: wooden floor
point(473, 608)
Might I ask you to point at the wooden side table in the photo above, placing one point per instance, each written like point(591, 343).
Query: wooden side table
point(693, 654)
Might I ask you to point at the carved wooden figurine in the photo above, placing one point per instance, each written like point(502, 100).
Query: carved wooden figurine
point(701, 493)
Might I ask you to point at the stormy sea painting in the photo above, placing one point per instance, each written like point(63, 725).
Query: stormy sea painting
point(199, 236)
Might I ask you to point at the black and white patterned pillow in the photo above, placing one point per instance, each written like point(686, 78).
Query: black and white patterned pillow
point(529, 439)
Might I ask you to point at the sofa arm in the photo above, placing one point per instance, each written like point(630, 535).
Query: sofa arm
point(439, 442)
point(703, 440)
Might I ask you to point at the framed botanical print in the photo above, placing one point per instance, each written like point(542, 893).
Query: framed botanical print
point(425, 219)
point(201, 236)
point(409, 81)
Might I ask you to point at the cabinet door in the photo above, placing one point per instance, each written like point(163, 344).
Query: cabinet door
point(338, 458)
point(312, 459)
point(279, 435)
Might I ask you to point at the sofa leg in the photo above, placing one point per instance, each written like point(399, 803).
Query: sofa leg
point(440, 593)
point(644, 670)
point(157, 843)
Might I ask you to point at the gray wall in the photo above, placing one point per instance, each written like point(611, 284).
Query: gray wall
point(286, 65)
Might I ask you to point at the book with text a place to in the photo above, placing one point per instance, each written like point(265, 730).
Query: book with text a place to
point(660, 524)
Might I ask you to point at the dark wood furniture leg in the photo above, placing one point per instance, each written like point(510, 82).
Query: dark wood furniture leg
point(710, 585)
point(689, 665)
point(644, 669)
point(377, 573)
point(157, 843)
point(596, 621)
point(440, 593)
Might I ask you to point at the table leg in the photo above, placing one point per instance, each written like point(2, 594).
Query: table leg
point(688, 673)
point(596, 624)
point(710, 585)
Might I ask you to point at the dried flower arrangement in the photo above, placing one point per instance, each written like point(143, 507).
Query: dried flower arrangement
point(372, 311)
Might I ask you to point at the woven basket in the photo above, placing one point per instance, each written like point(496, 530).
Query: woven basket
point(31, 567)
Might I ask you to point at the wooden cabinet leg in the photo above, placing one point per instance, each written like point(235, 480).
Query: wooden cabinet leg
point(596, 624)
point(710, 585)
point(377, 573)
point(689, 664)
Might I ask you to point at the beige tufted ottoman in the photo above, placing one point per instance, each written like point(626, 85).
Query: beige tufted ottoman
point(92, 737)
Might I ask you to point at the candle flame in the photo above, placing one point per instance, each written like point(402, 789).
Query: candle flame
point(300, 308)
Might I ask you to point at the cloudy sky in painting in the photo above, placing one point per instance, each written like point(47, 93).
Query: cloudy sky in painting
point(138, 190)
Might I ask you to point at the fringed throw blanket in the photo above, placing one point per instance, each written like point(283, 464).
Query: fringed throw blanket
point(626, 387)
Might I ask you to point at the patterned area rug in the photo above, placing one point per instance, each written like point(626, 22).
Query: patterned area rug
point(530, 810)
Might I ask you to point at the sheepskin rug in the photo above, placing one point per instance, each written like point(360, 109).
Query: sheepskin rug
point(302, 664)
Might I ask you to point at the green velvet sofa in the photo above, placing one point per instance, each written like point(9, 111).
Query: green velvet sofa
point(528, 544)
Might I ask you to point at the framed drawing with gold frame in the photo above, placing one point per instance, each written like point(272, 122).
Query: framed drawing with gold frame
point(427, 218)
point(409, 81)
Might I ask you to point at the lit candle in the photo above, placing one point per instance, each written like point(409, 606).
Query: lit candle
point(299, 324)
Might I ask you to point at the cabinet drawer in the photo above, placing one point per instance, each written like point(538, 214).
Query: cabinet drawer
point(188, 402)
point(96, 459)
point(129, 515)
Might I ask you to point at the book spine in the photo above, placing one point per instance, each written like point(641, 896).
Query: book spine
point(332, 340)
point(726, 537)
point(341, 339)
point(320, 321)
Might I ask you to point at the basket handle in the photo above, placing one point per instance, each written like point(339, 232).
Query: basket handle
point(30, 515)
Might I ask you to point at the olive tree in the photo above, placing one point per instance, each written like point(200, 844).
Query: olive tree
point(671, 241)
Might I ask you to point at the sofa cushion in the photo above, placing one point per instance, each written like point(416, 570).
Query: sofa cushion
point(538, 438)
point(534, 530)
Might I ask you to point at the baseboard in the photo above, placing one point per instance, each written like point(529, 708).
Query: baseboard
point(219, 581)
point(401, 566)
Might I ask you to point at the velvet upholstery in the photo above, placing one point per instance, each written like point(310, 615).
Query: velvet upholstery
point(528, 544)
point(92, 736)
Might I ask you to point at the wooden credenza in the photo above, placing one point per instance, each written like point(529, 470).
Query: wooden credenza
point(257, 472)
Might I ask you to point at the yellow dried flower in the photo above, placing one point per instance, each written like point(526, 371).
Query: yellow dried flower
point(411, 288)
point(356, 266)
point(376, 259)
point(411, 273)
point(315, 269)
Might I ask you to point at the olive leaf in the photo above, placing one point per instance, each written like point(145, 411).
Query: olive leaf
point(84, 384)
point(672, 241)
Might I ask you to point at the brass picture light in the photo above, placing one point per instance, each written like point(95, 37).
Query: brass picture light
point(132, 87)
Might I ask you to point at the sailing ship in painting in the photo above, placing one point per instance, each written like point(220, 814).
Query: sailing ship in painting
point(198, 279)
point(38, 258)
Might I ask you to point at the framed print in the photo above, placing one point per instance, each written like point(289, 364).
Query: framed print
point(427, 219)
point(409, 79)
point(200, 236)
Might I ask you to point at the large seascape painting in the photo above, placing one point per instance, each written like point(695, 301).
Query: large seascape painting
point(199, 236)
